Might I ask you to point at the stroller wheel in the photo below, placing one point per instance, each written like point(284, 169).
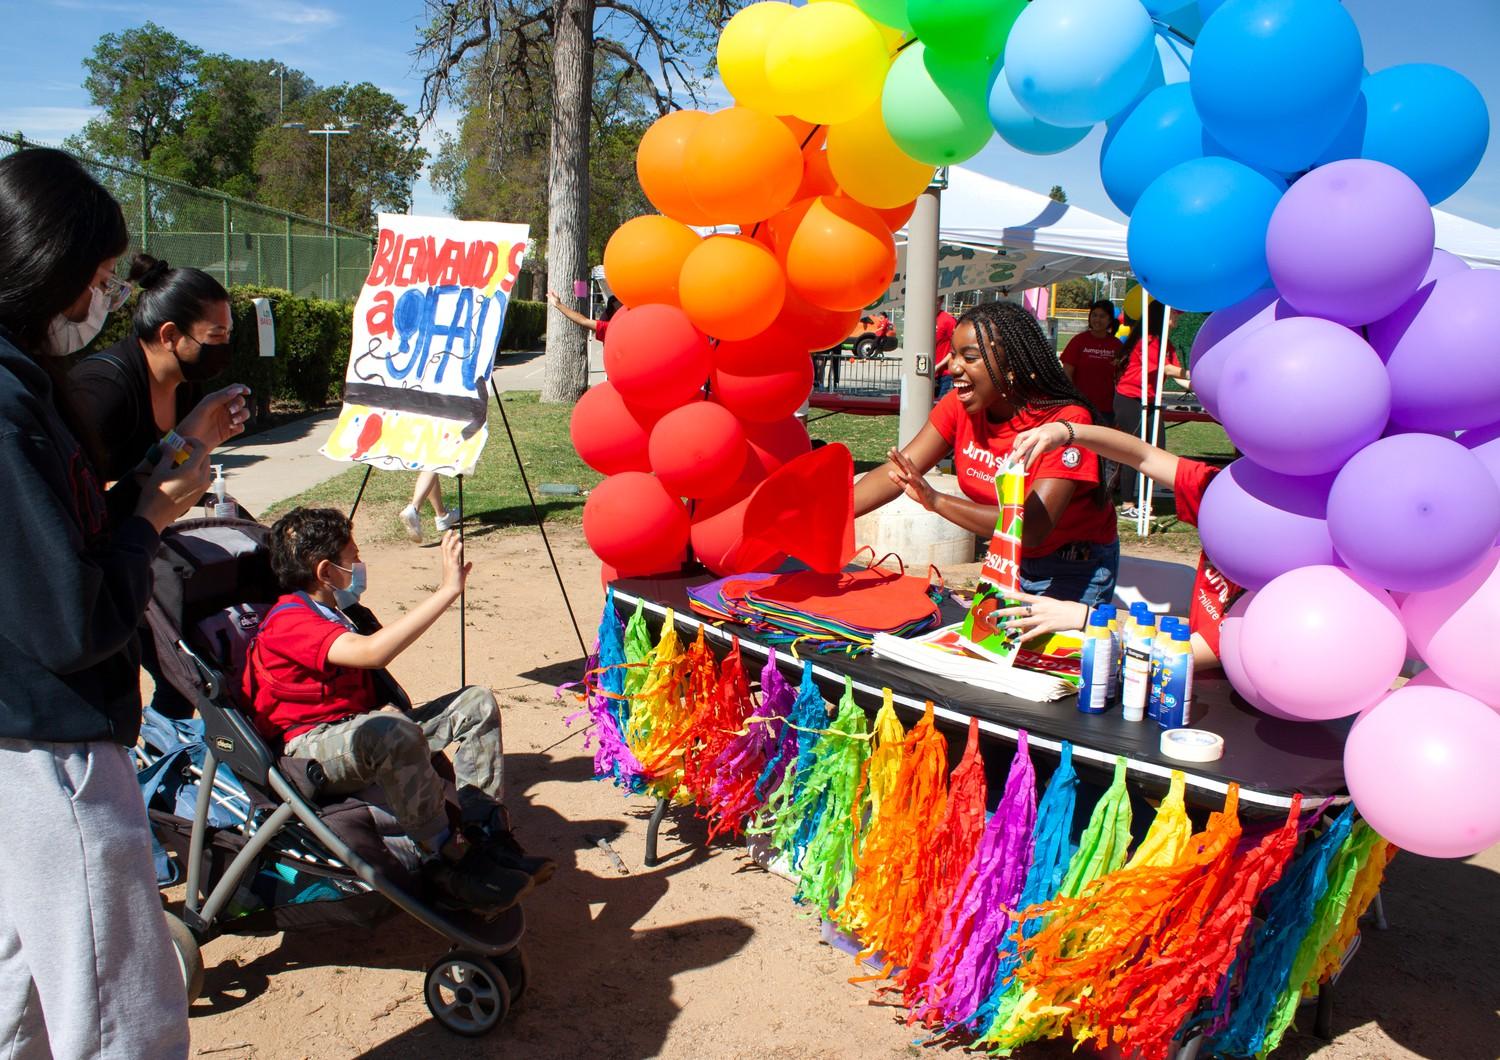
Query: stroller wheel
point(517, 972)
point(189, 958)
point(467, 994)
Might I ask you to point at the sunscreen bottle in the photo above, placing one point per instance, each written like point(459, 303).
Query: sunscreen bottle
point(1098, 665)
point(1175, 710)
point(1136, 689)
point(1158, 646)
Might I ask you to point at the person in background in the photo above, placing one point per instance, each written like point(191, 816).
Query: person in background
point(1140, 360)
point(87, 968)
point(129, 395)
point(428, 491)
point(943, 350)
point(1188, 479)
point(1006, 380)
point(1089, 360)
point(598, 327)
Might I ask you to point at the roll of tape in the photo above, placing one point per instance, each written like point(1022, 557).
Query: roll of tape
point(1192, 745)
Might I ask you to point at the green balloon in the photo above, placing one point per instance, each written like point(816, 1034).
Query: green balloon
point(887, 12)
point(934, 105)
point(975, 28)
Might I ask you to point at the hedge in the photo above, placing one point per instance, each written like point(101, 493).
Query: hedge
point(312, 343)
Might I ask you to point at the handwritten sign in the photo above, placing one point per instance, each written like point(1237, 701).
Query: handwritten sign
point(426, 331)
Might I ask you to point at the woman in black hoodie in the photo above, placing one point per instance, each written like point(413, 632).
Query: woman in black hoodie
point(86, 966)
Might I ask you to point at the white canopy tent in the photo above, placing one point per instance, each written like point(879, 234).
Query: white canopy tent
point(1477, 244)
point(995, 234)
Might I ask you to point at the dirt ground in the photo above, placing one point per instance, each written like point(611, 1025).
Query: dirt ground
point(706, 956)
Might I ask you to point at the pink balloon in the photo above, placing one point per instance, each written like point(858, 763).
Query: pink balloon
point(1233, 661)
point(1453, 630)
point(1421, 768)
point(1320, 643)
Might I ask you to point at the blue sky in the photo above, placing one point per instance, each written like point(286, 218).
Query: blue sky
point(45, 42)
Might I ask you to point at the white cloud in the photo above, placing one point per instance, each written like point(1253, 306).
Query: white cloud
point(51, 125)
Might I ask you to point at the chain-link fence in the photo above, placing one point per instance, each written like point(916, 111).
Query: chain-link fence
point(235, 241)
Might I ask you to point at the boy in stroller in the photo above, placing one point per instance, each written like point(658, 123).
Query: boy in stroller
point(312, 680)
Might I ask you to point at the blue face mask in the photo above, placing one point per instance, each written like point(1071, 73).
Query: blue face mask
point(356, 587)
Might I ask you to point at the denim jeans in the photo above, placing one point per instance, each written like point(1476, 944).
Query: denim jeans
point(1083, 571)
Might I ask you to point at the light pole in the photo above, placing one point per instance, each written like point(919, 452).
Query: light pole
point(327, 132)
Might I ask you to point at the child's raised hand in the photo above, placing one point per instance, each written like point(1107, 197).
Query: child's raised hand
point(1029, 445)
point(455, 570)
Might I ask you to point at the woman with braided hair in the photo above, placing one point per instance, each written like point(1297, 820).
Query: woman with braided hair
point(1007, 379)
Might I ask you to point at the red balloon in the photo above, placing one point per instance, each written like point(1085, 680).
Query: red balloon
point(698, 450)
point(655, 357)
point(777, 349)
point(607, 574)
point(817, 328)
point(608, 436)
point(765, 397)
point(715, 534)
point(778, 442)
point(633, 524)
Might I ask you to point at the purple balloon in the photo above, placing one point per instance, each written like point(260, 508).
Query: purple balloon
point(1413, 512)
point(1350, 241)
point(1484, 442)
point(1302, 395)
point(1222, 332)
point(1442, 353)
point(1443, 264)
point(1256, 524)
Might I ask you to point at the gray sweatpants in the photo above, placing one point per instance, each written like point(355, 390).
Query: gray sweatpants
point(394, 750)
point(86, 966)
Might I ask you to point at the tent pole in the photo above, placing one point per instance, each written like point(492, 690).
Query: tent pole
point(919, 337)
point(1161, 378)
point(1142, 519)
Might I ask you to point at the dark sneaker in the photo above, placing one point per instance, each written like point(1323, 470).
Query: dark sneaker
point(477, 883)
point(500, 847)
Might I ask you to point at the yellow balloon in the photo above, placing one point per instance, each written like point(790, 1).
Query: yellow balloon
point(830, 61)
point(742, 56)
point(1134, 308)
point(890, 34)
point(870, 167)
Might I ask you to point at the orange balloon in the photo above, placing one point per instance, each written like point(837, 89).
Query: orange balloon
point(815, 327)
point(780, 229)
point(809, 136)
point(896, 217)
point(842, 255)
point(643, 259)
point(660, 168)
point(732, 287)
point(817, 178)
point(741, 165)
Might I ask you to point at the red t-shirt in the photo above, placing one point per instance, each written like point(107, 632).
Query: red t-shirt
point(289, 680)
point(979, 444)
point(600, 327)
point(1130, 381)
point(1093, 363)
point(946, 324)
point(1212, 592)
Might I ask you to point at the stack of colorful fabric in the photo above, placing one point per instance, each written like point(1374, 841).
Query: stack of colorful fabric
point(840, 612)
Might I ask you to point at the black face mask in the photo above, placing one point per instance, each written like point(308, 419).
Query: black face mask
point(212, 362)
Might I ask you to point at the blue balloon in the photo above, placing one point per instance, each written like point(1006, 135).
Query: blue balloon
point(1428, 121)
point(1018, 128)
point(1208, 7)
point(1076, 62)
point(1197, 237)
point(1161, 132)
point(1275, 80)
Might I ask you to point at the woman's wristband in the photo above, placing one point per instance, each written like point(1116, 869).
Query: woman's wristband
point(1072, 434)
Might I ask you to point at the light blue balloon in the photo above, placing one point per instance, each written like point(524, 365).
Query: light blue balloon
point(1162, 131)
point(1428, 121)
point(1018, 128)
point(1197, 237)
point(1275, 80)
point(1208, 7)
point(1076, 62)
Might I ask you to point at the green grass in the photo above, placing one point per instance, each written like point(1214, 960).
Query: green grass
point(496, 499)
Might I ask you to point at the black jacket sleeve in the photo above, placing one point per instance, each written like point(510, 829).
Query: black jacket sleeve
point(106, 407)
point(67, 604)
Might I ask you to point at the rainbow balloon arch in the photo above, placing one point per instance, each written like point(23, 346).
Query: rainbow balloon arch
point(1279, 187)
point(995, 929)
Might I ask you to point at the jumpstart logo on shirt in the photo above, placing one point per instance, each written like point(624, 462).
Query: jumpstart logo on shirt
point(980, 457)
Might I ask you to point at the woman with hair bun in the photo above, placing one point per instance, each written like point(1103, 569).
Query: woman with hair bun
point(132, 393)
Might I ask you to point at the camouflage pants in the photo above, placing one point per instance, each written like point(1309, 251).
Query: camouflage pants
point(394, 750)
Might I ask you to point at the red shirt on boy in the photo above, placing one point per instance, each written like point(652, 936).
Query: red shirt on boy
point(290, 682)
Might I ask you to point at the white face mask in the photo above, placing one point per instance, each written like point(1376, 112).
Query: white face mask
point(69, 336)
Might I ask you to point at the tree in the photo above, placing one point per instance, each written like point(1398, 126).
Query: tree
point(1057, 194)
point(143, 78)
point(1077, 293)
point(370, 170)
point(661, 43)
